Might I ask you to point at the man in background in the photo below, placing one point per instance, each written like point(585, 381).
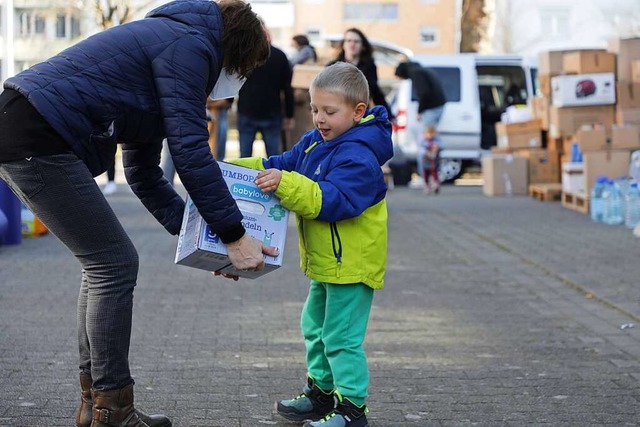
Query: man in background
point(260, 106)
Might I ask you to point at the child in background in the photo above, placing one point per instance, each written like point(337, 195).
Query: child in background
point(332, 179)
point(430, 147)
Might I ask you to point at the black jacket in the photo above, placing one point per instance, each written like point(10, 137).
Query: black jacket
point(427, 87)
point(260, 96)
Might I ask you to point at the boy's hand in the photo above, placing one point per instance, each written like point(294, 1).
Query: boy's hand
point(268, 180)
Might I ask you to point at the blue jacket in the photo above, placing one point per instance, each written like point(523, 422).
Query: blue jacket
point(337, 191)
point(136, 84)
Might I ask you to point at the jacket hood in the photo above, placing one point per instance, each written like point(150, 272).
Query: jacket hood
point(374, 131)
point(203, 15)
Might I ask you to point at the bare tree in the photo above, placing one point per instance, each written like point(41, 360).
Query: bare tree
point(473, 25)
point(115, 12)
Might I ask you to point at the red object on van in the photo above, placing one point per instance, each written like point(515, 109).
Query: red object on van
point(585, 88)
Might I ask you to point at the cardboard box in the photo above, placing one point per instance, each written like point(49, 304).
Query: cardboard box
point(609, 163)
point(627, 50)
point(592, 139)
point(566, 121)
point(544, 81)
point(504, 174)
point(540, 108)
point(551, 62)
point(628, 116)
point(635, 71)
point(554, 144)
point(264, 219)
point(542, 165)
point(303, 75)
point(573, 178)
point(628, 94)
point(519, 135)
point(588, 62)
point(583, 90)
point(625, 137)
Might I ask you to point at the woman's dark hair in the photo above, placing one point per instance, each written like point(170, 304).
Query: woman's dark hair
point(366, 53)
point(303, 40)
point(244, 39)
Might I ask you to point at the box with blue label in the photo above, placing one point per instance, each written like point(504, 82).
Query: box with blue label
point(264, 218)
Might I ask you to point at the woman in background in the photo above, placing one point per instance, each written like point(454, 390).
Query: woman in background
point(305, 53)
point(357, 50)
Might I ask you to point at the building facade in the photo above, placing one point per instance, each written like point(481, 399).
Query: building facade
point(40, 30)
point(528, 27)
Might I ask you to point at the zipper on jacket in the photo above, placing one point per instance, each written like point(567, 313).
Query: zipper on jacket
point(304, 242)
point(337, 251)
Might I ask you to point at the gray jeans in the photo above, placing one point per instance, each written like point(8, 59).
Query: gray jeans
point(60, 190)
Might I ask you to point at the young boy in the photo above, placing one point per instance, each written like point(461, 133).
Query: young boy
point(332, 179)
point(430, 147)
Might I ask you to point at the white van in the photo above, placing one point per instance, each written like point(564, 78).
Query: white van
point(478, 89)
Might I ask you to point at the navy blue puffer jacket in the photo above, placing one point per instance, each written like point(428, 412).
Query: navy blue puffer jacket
point(136, 84)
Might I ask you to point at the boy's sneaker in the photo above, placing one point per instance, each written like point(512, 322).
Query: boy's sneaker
point(313, 404)
point(346, 414)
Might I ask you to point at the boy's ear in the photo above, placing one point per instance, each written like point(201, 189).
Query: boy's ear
point(359, 111)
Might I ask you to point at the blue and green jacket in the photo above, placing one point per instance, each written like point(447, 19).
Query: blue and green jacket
point(337, 190)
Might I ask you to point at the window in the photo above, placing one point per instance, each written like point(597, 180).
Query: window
point(24, 23)
point(39, 24)
point(429, 36)
point(555, 23)
point(61, 26)
point(450, 79)
point(75, 27)
point(29, 23)
point(371, 11)
point(313, 34)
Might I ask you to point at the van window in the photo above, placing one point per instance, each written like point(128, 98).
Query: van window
point(450, 79)
point(534, 82)
point(512, 86)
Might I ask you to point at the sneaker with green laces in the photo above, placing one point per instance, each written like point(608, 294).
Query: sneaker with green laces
point(313, 404)
point(346, 414)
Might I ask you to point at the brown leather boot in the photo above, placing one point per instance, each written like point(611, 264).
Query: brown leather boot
point(84, 412)
point(114, 408)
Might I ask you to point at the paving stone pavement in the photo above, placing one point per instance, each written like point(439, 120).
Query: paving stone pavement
point(485, 321)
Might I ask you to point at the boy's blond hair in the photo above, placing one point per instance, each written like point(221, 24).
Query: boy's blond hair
point(343, 79)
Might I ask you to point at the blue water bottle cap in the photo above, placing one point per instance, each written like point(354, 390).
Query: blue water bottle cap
point(634, 185)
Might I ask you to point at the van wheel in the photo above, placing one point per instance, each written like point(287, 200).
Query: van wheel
point(449, 169)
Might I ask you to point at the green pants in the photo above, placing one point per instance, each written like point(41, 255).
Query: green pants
point(334, 323)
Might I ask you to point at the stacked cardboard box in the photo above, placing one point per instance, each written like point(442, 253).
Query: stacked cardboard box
point(628, 79)
point(601, 127)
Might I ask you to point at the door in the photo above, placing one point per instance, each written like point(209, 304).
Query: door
point(459, 127)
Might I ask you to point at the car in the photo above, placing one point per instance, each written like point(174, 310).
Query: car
point(478, 89)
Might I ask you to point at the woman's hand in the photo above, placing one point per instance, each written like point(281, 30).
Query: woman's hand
point(246, 254)
point(268, 180)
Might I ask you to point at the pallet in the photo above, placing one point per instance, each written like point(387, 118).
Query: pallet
point(577, 202)
point(551, 192)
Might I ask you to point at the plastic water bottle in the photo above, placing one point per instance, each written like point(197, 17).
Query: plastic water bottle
point(623, 183)
point(613, 205)
point(632, 208)
point(508, 188)
point(576, 154)
point(596, 202)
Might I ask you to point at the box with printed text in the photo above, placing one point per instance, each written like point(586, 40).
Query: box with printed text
point(264, 219)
